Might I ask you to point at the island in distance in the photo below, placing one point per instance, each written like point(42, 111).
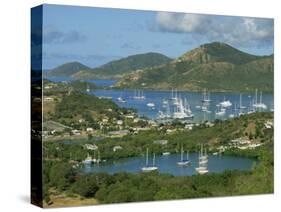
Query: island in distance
point(215, 66)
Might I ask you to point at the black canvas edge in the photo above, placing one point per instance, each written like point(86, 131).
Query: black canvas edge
point(36, 106)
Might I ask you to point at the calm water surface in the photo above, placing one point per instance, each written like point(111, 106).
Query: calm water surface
point(193, 98)
point(98, 82)
point(167, 164)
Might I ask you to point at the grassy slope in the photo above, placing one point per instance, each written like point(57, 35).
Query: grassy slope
point(78, 105)
point(131, 63)
point(135, 145)
point(112, 69)
point(215, 66)
point(127, 187)
point(68, 69)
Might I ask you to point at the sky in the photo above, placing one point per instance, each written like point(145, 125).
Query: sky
point(95, 36)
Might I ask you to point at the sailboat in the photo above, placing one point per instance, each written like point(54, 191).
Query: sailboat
point(225, 103)
point(175, 98)
point(203, 161)
point(121, 99)
point(88, 159)
point(233, 112)
point(206, 97)
point(173, 94)
point(98, 160)
point(150, 104)
point(88, 89)
point(139, 95)
point(241, 107)
point(260, 104)
point(187, 109)
point(240, 102)
point(205, 108)
point(165, 115)
point(165, 102)
point(272, 108)
point(251, 108)
point(181, 112)
point(220, 111)
point(149, 168)
point(183, 162)
point(166, 153)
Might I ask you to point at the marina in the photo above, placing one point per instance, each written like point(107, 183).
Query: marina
point(188, 106)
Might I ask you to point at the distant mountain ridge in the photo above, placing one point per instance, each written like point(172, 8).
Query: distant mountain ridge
point(215, 66)
point(113, 69)
point(68, 69)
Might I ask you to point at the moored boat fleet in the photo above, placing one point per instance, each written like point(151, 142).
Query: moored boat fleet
point(183, 162)
point(93, 160)
point(178, 108)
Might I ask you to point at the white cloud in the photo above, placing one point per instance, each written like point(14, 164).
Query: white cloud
point(181, 22)
point(238, 31)
point(53, 35)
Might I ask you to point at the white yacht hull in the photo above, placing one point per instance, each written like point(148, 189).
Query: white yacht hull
point(183, 163)
point(149, 169)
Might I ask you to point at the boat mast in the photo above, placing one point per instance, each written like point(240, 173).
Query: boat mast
point(168, 110)
point(204, 94)
point(181, 153)
point(240, 100)
point(146, 157)
point(153, 159)
point(256, 96)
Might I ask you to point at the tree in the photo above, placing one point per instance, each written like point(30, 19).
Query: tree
point(86, 186)
point(90, 136)
point(61, 175)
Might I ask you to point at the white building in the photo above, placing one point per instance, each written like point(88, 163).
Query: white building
point(89, 129)
point(104, 120)
point(81, 120)
point(76, 132)
point(115, 148)
point(91, 146)
point(268, 124)
point(130, 116)
point(119, 122)
point(188, 126)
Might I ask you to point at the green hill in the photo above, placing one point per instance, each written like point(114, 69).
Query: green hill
point(113, 69)
point(68, 69)
point(117, 68)
point(215, 66)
